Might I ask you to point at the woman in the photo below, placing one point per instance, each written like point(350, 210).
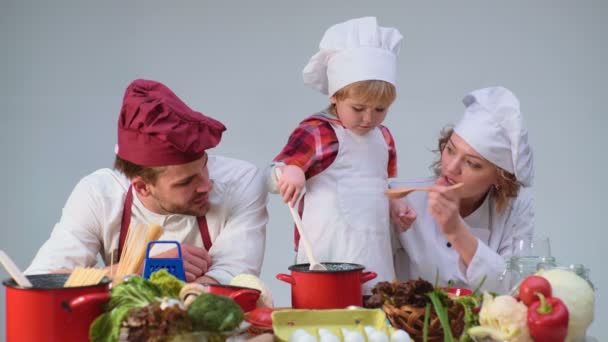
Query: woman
point(466, 233)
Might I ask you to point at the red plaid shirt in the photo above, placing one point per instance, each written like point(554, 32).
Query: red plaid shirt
point(313, 146)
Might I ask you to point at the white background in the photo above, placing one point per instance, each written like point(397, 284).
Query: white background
point(64, 67)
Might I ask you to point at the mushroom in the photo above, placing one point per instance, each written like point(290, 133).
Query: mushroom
point(190, 291)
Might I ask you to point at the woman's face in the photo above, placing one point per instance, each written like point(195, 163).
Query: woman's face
point(460, 163)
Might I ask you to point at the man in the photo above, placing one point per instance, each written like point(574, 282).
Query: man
point(214, 206)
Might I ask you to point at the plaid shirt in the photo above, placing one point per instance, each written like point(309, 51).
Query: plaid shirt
point(313, 146)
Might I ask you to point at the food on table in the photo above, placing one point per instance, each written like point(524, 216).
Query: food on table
point(301, 335)
point(327, 336)
point(577, 295)
point(352, 336)
point(502, 318)
point(530, 286)
point(134, 250)
point(190, 292)
point(260, 320)
point(167, 282)
point(400, 336)
point(251, 281)
point(155, 324)
point(85, 276)
point(548, 319)
point(214, 313)
point(136, 292)
point(405, 304)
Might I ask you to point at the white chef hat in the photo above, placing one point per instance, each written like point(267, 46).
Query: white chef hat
point(352, 51)
point(493, 126)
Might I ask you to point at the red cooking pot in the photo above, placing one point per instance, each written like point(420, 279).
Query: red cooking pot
point(336, 288)
point(50, 312)
point(245, 297)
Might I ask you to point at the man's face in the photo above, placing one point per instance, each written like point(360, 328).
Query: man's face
point(183, 189)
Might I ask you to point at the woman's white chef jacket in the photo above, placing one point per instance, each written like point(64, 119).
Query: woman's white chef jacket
point(90, 222)
point(422, 251)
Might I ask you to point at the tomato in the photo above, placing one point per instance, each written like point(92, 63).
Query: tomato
point(530, 286)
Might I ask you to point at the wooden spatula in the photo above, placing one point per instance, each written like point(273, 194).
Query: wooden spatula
point(14, 271)
point(402, 192)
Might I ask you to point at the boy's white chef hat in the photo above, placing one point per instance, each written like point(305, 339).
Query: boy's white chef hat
point(352, 51)
point(494, 127)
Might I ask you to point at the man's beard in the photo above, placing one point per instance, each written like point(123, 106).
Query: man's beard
point(192, 210)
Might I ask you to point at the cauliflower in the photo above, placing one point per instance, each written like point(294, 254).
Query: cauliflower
point(502, 318)
point(210, 312)
point(578, 296)
point(249, 280)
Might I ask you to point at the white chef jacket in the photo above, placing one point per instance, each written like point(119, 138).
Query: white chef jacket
point(91, 221)
point(423, 250)
point(346, 215)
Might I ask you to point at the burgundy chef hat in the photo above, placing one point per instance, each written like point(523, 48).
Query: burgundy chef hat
point(156, 128)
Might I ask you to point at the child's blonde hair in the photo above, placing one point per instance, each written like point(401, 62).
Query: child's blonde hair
point(371, 91)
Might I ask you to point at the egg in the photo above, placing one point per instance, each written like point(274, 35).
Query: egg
point(352, 336)
point(400, 336)
point(369, 330)
point(377, 336)
point(301, 335)
point(327, 336)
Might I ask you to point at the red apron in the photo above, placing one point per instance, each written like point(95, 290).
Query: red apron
point(126, 221)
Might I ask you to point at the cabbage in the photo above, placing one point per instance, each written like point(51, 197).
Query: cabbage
point(578, 296)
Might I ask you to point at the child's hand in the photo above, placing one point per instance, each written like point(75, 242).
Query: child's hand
point(402, 215)
point(291, 184)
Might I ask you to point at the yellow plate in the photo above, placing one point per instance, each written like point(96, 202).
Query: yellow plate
point(285, 322)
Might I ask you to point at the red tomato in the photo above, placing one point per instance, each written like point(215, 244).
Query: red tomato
point(530, 286)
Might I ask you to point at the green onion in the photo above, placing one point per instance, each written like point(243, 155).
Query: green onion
point(425, 327)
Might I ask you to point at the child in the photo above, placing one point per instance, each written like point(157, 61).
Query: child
point(343, 155)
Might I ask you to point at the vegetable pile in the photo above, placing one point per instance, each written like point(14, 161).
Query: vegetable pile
point(150, 310)
point(554, 306)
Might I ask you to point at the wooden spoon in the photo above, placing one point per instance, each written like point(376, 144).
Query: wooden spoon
point(402, 192)
point(13, 270)
point(314, 265)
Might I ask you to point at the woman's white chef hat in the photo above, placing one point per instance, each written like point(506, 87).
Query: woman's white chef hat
point(494, 127)
point(352, 51)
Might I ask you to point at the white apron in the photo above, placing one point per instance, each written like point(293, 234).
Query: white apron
point(346, 215)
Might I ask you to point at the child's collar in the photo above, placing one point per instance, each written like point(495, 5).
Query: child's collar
point(331, 117)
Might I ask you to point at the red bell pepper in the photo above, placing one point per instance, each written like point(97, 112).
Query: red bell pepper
point(548, 319)
point(530, 286)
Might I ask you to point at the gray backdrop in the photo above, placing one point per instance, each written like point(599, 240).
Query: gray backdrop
point(64, 66)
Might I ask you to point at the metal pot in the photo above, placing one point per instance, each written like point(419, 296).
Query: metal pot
point(49, 312)
point(336, 288)
point(245, 297)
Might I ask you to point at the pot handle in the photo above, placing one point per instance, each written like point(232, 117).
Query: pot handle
point(367, 276)
point(286, 278)
point(87, 299)
point(245, 294)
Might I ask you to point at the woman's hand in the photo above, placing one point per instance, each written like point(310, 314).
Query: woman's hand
point(291, 184)
point(444, 206)
point(196, 260)
point(402, 215)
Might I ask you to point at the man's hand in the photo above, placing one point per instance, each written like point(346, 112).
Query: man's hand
point(291, 184)
point(196, 260)
point(402, 215)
